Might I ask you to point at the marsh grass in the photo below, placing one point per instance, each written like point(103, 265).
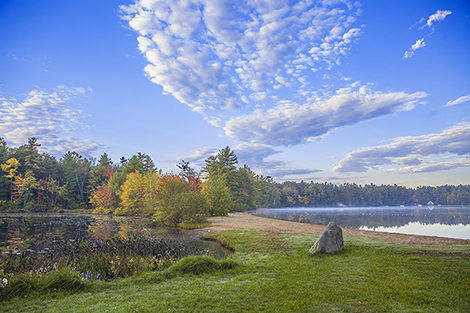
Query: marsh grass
point(101, 259)
point(271, 273)
point(26, 283)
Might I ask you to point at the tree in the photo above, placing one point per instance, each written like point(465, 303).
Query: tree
point(11, 167)
point(269, 195)
point(186, 170)
point(140, 162)
point(133, 194)
point(249, 188)
point(24, 186)
point(218, 195)
point(222, 164)
point(78, 169)
point(180, 201)
point(223, 167)
point(104, 199)
point(5, 183)
point(101, 173)
point(105, 161)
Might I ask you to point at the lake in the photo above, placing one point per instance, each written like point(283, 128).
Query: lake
point(40, 232)
point(442, 221)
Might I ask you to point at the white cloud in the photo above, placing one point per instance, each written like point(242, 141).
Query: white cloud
point(47, 117)
point(458, 101)
point(197, 158)
point(418, 44)
point(213, 54)
point(415, 154)
point(438, 16)
point(408, 54)
point(256, 156)
point(290, 123)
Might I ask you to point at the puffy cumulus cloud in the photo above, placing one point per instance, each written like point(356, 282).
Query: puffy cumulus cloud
point(436, 17)
point(290, 123)
point(46, 116)
point(458, 101)
point(418, 44)
point(414, 154)
point(212, 54)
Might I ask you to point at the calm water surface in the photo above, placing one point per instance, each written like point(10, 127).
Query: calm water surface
point(442, 221)
point(39, 231)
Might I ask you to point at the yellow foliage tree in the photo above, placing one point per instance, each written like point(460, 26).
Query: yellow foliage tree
point(11, 166)
point(138, 194)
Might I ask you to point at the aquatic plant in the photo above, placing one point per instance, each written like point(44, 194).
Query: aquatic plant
point(117, 257)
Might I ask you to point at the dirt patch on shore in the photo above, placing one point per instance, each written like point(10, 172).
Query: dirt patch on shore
point(247, 221)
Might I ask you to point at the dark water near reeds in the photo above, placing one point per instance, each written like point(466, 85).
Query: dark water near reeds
point(442, 221)
point(40, 232)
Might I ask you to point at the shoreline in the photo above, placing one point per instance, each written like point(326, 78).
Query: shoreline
point(244, 220)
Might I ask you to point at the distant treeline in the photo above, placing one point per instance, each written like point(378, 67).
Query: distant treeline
point(30, 180)
point(327, 194)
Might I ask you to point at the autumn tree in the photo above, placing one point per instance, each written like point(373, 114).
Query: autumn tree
point(140, 162)
point(5, 184)
point(138, 195)
point(11, 168)
point(180, 201)
point(104, 199)
point(24, 186)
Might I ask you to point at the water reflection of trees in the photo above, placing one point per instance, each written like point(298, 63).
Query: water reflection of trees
point(373, 218)
point(41, 232)
point(38, 233)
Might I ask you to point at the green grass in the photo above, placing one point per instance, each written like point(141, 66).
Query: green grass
point(271, 273)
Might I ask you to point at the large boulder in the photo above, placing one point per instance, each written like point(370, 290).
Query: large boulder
point(330, 240)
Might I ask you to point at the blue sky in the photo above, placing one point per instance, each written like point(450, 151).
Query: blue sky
point(338, 91)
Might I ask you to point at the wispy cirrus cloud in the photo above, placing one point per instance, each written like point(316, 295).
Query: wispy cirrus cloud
point(412, 154)
point(290, 123)
point(257, 155)
point(48, 117)
point(440, 15)
point(254, 155)
point(214, 54)
point(458, 101)
point(197, 158)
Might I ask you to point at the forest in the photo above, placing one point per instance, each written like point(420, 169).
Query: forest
point(35, 181)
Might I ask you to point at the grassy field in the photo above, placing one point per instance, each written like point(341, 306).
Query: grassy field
point(269, 273)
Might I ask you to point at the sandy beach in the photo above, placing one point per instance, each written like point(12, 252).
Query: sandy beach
point(245, 220)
